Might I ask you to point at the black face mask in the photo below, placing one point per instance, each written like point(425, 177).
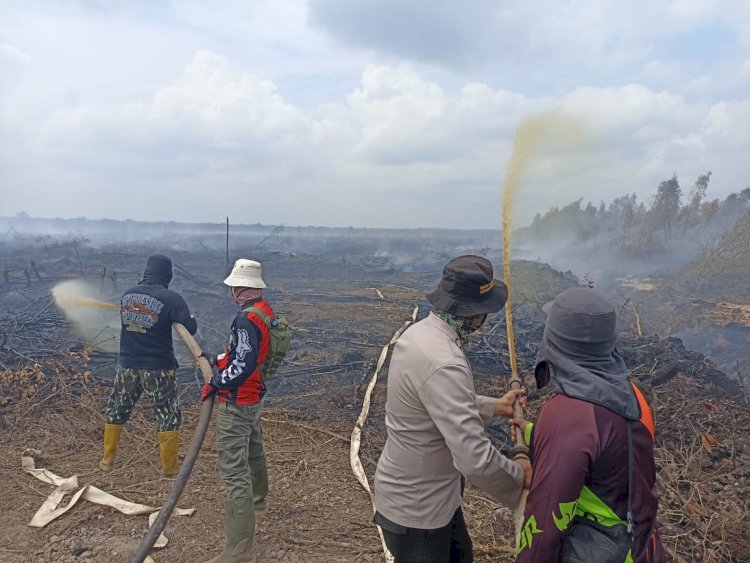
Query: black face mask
point(473, 324)
point(542, 374)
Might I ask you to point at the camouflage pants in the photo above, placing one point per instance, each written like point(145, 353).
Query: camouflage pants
point(160, 387)
point(242, 458)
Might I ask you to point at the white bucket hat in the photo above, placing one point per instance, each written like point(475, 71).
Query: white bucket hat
point(246, 273)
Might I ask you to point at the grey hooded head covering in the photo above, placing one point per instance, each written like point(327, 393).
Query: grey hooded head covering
point(578, 348)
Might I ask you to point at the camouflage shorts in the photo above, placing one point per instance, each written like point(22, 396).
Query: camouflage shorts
point(160, 387)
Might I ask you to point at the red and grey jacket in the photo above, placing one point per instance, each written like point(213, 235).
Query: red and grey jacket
point(238, 380)
point(579, 453)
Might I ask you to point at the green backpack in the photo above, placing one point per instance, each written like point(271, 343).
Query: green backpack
point(280, 337)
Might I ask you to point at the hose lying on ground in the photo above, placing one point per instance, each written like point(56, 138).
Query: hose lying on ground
point(356, 438)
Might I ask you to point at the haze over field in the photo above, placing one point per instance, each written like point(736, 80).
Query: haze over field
point(371, 114)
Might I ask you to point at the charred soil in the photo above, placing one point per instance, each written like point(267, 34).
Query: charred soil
point(343, 312)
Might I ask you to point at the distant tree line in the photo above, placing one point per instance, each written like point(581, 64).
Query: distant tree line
point(634, 227)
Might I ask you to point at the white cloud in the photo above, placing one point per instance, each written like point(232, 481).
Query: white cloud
point(11, 53)
point(209, 115)
point(247, 102)
point(397, 138)
point(12, 63)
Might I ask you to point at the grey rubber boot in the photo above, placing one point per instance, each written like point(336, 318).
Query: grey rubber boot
point(239, 526)
point(259, 479)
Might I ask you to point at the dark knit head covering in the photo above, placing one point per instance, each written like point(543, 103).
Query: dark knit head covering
point(158, 270)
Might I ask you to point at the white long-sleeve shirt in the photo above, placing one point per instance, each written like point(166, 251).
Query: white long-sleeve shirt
point(436, 433)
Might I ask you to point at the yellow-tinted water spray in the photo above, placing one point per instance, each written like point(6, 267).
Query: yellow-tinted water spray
point(528, 136)
point(96, 321)
point(66, 301)
point(551, 129)
point(522, 144)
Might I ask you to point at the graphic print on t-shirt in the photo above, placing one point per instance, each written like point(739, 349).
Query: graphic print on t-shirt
point(239, 364)
point(139, 312)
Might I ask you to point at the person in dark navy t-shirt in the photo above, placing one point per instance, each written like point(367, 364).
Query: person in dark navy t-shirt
point(147, 362)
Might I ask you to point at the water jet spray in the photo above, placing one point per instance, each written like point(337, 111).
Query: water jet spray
point(531, 131)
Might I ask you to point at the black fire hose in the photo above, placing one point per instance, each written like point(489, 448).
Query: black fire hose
point(144, 547)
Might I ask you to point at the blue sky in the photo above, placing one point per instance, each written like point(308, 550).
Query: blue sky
point(702, 44)
point(372, 113)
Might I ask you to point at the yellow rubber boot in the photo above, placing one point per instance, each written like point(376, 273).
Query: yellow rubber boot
point(168, 445)
point(111, 438)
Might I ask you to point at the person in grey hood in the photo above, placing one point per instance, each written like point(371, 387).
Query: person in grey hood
point(593, 495)
point(436, 424)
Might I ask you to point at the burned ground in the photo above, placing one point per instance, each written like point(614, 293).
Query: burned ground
point(344, 302)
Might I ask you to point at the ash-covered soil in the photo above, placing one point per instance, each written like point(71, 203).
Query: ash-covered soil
point(343, 310)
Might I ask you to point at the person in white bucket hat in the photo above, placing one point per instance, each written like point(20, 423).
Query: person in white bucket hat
point(246, 274)
point(239, 391)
